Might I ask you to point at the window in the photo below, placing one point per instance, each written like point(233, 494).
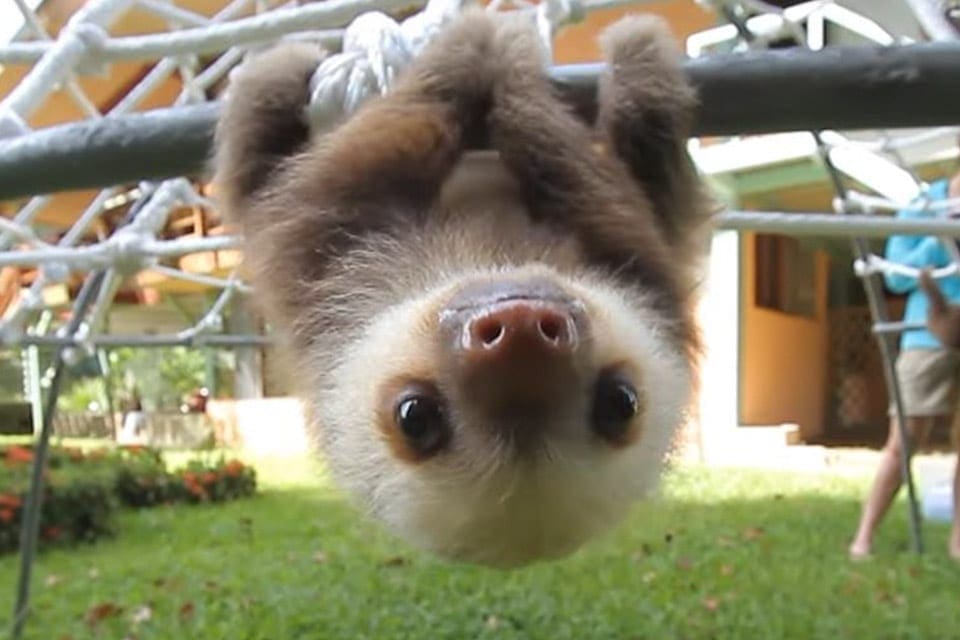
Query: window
point(785, 275)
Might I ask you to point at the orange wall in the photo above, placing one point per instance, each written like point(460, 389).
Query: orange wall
point(783, 357)
point(578, 42)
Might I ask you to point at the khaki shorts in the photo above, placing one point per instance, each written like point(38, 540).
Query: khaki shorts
point(929, 382)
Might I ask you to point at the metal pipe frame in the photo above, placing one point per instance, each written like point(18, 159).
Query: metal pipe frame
point(210, 38)
point(167, 340)
point(106, 253)
point(847, 226)
point(859, 87)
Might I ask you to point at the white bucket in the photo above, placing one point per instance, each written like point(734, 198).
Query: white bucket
point(937, 501)
point(936, 487)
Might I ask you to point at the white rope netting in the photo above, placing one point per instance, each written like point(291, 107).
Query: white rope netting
point(374, 48)
point(200, 52)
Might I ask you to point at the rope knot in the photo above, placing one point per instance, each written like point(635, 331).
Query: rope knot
point(376, 48)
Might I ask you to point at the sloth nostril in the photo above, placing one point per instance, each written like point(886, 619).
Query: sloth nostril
point(519, 326)
point(551, 328)
point(489, 332)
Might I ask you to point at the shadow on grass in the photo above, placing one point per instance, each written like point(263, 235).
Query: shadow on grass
point(724, 554)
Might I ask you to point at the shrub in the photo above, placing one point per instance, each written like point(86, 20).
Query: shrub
point(142, 478)
point(222, 480)
point(78, 502)
point(82, 489)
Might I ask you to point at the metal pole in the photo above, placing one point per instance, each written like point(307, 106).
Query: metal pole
point(827, 224)
point(227, 340)
point(33, 507)
point(104, 361)
point(789, 90)
point(798, 223)
point(878, 311)
point(33, 373)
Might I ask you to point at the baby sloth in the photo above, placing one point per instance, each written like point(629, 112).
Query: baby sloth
point(495, 346)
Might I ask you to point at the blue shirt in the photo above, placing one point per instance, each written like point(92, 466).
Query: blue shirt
point(920, 252)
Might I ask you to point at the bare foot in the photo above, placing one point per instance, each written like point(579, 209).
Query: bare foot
point(859, 551)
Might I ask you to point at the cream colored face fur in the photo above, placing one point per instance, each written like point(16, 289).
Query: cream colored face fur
point(477, 500)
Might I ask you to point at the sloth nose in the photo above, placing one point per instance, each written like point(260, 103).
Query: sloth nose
point(520, 327)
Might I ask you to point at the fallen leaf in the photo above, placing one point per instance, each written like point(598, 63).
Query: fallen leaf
point(492, 622)
point(93, 573)
point(726, 570)
point(850, 587)
point(395, 561)
point(648, 577)
point(711, 604)
point(142, 614)
point(752, 533)
point(52, 580)
point(186, 610)
point(320, 557)
point(168, 584)
point(102, 611)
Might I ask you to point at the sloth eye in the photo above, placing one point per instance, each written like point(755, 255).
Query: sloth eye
point(615, 403)
point(422, 420)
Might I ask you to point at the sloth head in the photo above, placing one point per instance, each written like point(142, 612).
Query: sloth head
point(506, 416)
point(495, 348)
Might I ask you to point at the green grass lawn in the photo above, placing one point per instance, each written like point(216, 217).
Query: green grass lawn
point(724, 554)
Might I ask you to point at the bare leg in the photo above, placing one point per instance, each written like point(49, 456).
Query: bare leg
point(886, 483)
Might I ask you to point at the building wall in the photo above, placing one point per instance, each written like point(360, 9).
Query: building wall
point(578, 43)
point(784, 366)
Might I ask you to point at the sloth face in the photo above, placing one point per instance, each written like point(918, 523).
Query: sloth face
point(505, 417)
